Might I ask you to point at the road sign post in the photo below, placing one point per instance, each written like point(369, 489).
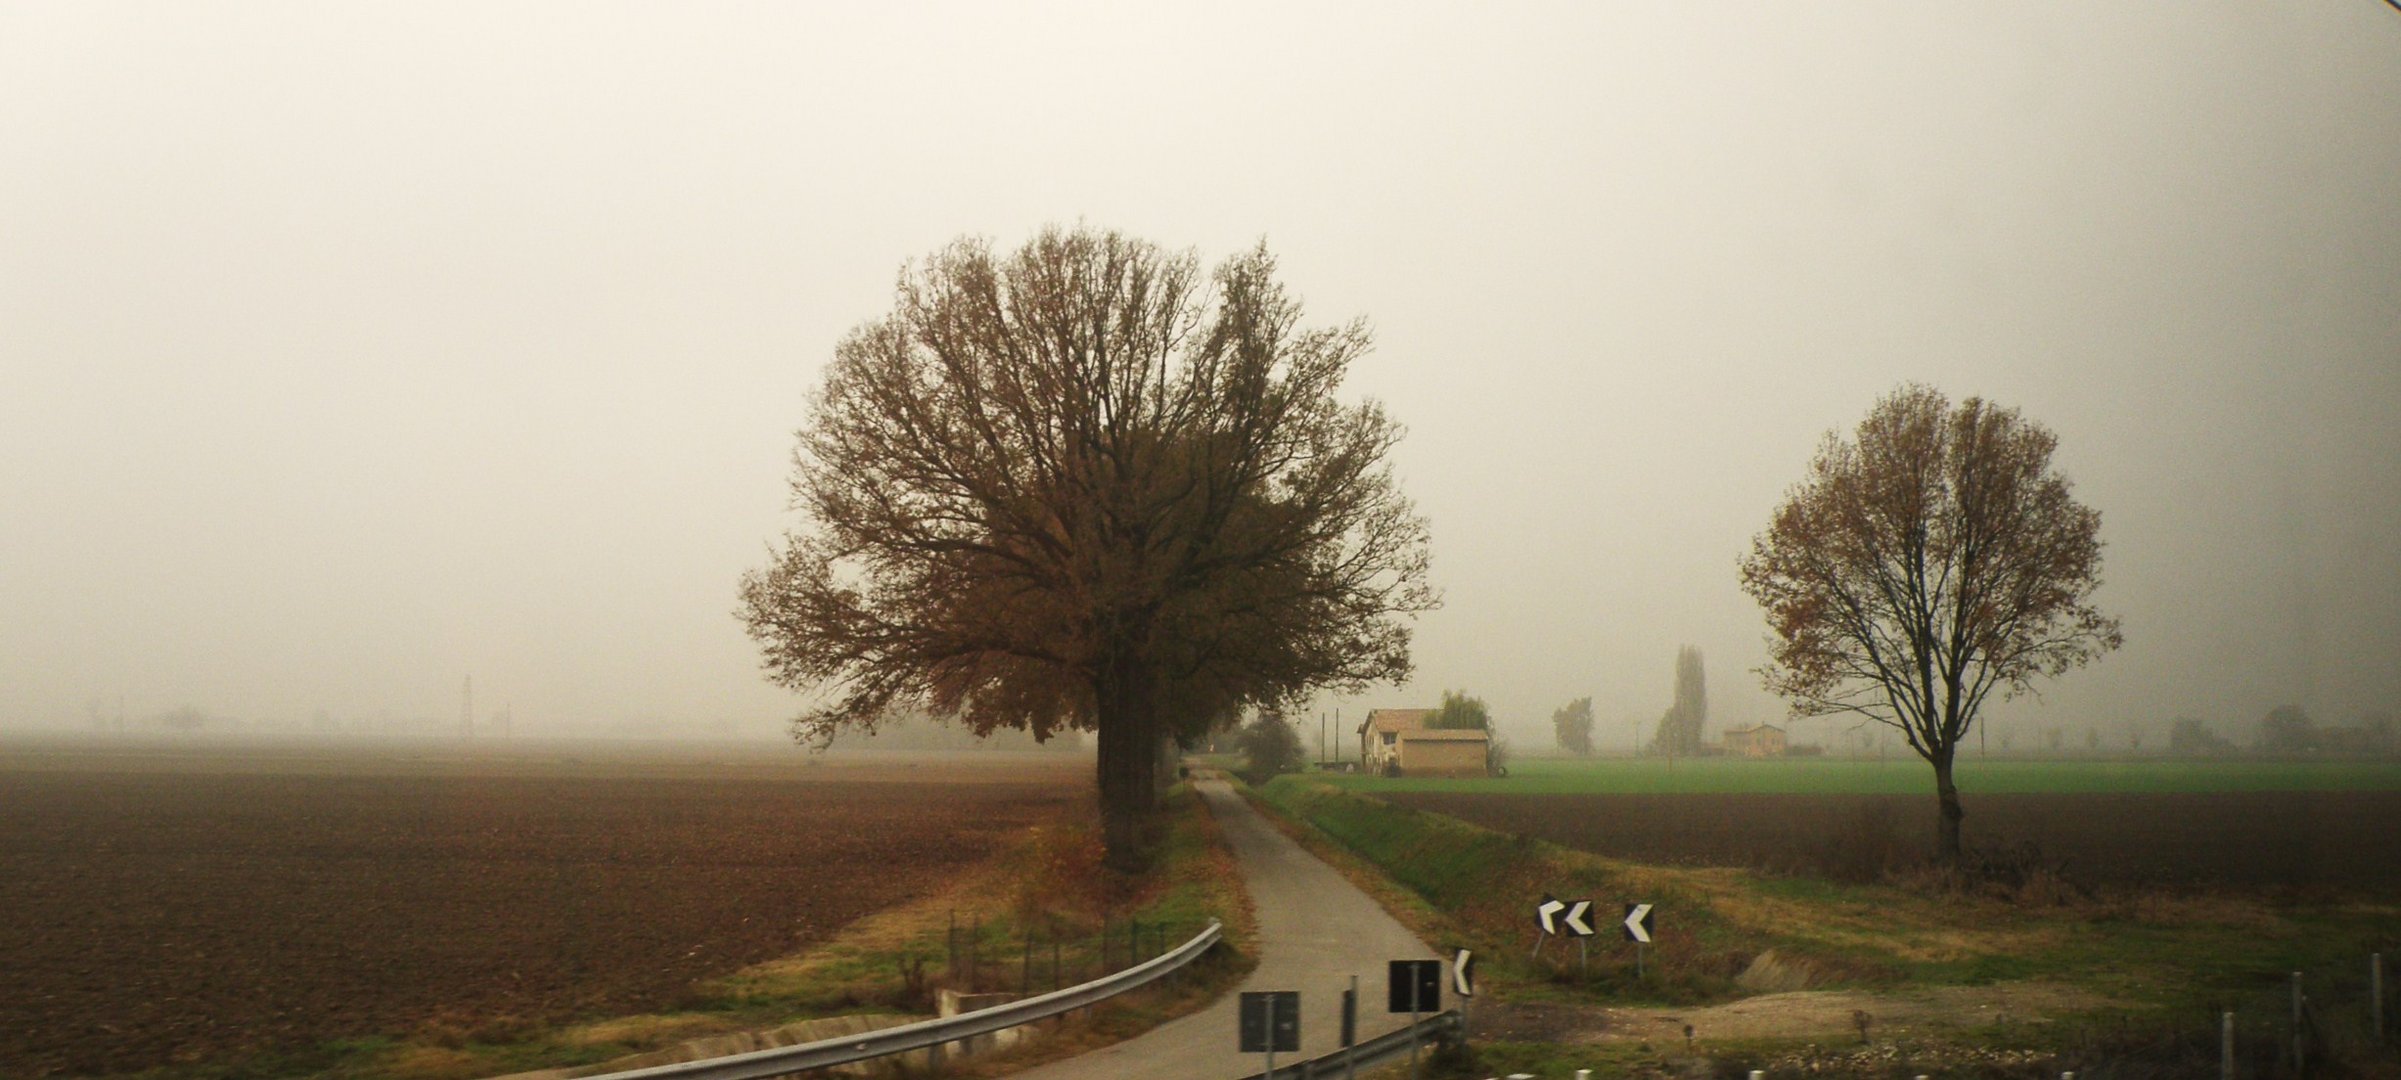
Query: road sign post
point(1578, 921)
point(1637, 927)
point(1270, 1021)
point(1413, 986)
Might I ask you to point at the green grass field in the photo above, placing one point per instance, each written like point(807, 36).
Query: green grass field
point(1898, 776)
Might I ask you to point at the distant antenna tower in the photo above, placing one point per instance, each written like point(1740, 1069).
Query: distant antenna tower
point(467, 708)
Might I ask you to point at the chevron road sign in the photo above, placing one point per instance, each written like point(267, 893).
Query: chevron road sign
point(1578, 918)
point(1547, 913)
point(1463, 973)
point(1638, 923)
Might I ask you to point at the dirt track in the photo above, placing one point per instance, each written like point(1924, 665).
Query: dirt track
point(188, 910)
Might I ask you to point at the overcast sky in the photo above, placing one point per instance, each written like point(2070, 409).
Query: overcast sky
point(345, 352)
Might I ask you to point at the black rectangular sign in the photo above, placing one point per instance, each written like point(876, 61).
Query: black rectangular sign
point(1266, 1012)
point(1416, 986)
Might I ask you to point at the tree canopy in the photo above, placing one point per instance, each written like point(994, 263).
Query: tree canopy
point(1924, 564)
point(1086, 485)
point(1461, 712)
point(1680, 727)
point(1572, 723)
point(1269, 747)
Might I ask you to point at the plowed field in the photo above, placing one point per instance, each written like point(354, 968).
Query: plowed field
point(2248, 839)
point(176, 914)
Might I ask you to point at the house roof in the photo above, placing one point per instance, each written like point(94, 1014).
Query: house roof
point(1444, 735)
point(1383, 720)
point(1754, 729)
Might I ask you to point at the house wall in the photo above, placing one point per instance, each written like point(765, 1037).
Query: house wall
point(1444, 758)
point(1763, 743)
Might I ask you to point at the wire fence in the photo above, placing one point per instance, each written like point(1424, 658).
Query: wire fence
point(2334, 1021)
point(2337, 1021)
point(1027, 957)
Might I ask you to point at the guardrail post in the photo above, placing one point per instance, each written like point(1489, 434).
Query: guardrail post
point(2226, 1046)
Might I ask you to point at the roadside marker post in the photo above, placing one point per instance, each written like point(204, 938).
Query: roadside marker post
point(2300, 1038)
point(2376, 992)
point(2226, 1046)
point(1350, 1030)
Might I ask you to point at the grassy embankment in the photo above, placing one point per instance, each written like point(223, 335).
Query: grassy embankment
point(2126, 966)
point(1049, 883)
point(1900, 775)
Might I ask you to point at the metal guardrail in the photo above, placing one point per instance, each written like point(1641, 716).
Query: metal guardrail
point(783, 1060)
point(1390, 1044)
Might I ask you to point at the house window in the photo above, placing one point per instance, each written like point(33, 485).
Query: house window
point(1390, 737)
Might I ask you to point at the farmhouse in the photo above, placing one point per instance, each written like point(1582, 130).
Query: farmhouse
point(1380, 734)
point(1764, 740)
point(1398, 740)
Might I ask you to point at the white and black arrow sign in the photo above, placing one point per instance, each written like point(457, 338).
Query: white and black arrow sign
point(1463, 973)
point(1547, 913)
point(1578, 918)
point(1638, 923)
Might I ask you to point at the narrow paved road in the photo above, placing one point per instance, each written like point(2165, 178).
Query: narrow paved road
point(1316, 930)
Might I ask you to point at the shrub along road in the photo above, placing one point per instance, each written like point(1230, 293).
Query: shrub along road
point(1316, 930)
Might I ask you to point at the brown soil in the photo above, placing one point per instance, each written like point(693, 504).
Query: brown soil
point(2290, 840)
point(206, 911)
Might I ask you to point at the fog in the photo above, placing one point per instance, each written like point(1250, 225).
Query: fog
point(345, 354)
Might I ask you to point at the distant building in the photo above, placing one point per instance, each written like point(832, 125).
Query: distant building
point(1444, 752)
point(1380, 733)
point(1763, 740)
point(1398, 740)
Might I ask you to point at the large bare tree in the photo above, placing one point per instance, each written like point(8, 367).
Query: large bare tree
point(1086, 485)
point(1922, 565)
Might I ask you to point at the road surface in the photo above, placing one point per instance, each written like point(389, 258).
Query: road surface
point(1316, 930)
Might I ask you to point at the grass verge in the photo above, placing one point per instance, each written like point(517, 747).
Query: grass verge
point(2114, 967)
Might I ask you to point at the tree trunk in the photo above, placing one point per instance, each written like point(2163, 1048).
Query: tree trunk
point(1128, 767)
point(1946, 835)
